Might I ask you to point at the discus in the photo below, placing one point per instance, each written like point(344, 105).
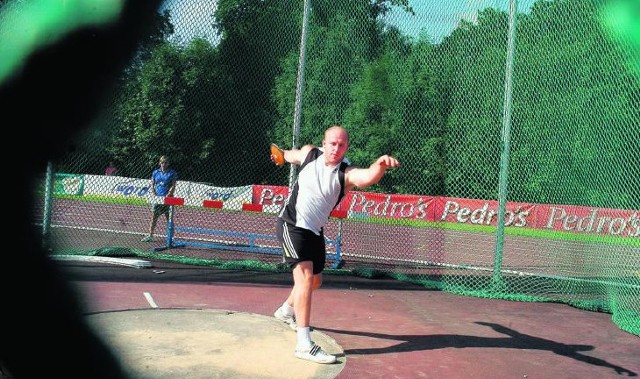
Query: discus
point(277, 155)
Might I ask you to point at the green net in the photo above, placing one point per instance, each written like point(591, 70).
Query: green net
point(517, 129)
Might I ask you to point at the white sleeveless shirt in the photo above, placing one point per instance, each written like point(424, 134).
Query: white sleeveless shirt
point(317, 191)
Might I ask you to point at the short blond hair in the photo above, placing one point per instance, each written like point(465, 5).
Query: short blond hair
point(336, 127)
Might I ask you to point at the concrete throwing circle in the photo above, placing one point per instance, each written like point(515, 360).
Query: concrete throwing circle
point(199, 344)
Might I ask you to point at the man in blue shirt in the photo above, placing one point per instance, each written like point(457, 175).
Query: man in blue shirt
point(163, 183)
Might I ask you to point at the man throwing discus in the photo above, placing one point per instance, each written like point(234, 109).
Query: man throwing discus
point(324, 178)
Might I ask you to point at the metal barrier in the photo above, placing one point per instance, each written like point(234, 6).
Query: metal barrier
point(238, 241)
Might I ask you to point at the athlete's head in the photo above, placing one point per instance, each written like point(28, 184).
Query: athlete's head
point(335, 144)
point(164, 162)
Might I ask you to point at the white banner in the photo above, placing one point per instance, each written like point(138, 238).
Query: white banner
point(232, 197)
point(193, 193)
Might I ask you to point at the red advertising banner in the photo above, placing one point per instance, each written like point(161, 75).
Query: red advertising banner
point(365, 204)
point(360, 204)
point(484, 212)
point(269, 195)
point(579, 219)
point(606, 221)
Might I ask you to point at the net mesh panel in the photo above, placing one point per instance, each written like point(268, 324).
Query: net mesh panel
point(214, 85)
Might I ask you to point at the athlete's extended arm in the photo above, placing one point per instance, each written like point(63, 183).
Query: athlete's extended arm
point(297, 156)
point(365, 177)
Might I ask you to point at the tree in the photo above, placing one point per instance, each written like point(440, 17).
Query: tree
point(256, 36)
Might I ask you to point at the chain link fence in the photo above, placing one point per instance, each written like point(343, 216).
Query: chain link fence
point(526, 115)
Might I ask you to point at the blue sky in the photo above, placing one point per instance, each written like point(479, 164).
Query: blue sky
point(437, 18)
point(192, 18)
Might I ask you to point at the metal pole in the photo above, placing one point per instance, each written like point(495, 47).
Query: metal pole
point(48, 196)
point(170, 227)
point(297, 114)
point(504, 155)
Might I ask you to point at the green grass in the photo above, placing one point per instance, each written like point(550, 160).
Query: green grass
point(509, 231)
point(115, 199)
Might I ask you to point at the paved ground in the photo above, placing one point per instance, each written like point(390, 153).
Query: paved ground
point(195, 322)
point(198, 343)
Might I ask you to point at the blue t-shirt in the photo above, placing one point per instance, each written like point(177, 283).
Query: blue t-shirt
point(163, 180)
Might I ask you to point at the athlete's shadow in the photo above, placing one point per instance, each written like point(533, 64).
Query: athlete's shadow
point(515, 340)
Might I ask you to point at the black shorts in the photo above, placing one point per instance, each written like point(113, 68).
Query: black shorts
point(300, 245)
point(160, 209)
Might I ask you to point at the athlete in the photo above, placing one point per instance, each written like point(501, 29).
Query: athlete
point(324, 178)
point(163, 183)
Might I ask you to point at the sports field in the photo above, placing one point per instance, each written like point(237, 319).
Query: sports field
point(379, 328)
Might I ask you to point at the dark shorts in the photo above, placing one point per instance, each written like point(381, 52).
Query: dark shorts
point(300, 245)
point(160, 209)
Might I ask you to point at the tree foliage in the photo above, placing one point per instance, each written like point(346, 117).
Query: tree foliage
point(438, 107)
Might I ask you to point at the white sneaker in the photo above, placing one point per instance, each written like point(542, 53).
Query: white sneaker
point(290, 320)
point(315, 354)
point(147, 238)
